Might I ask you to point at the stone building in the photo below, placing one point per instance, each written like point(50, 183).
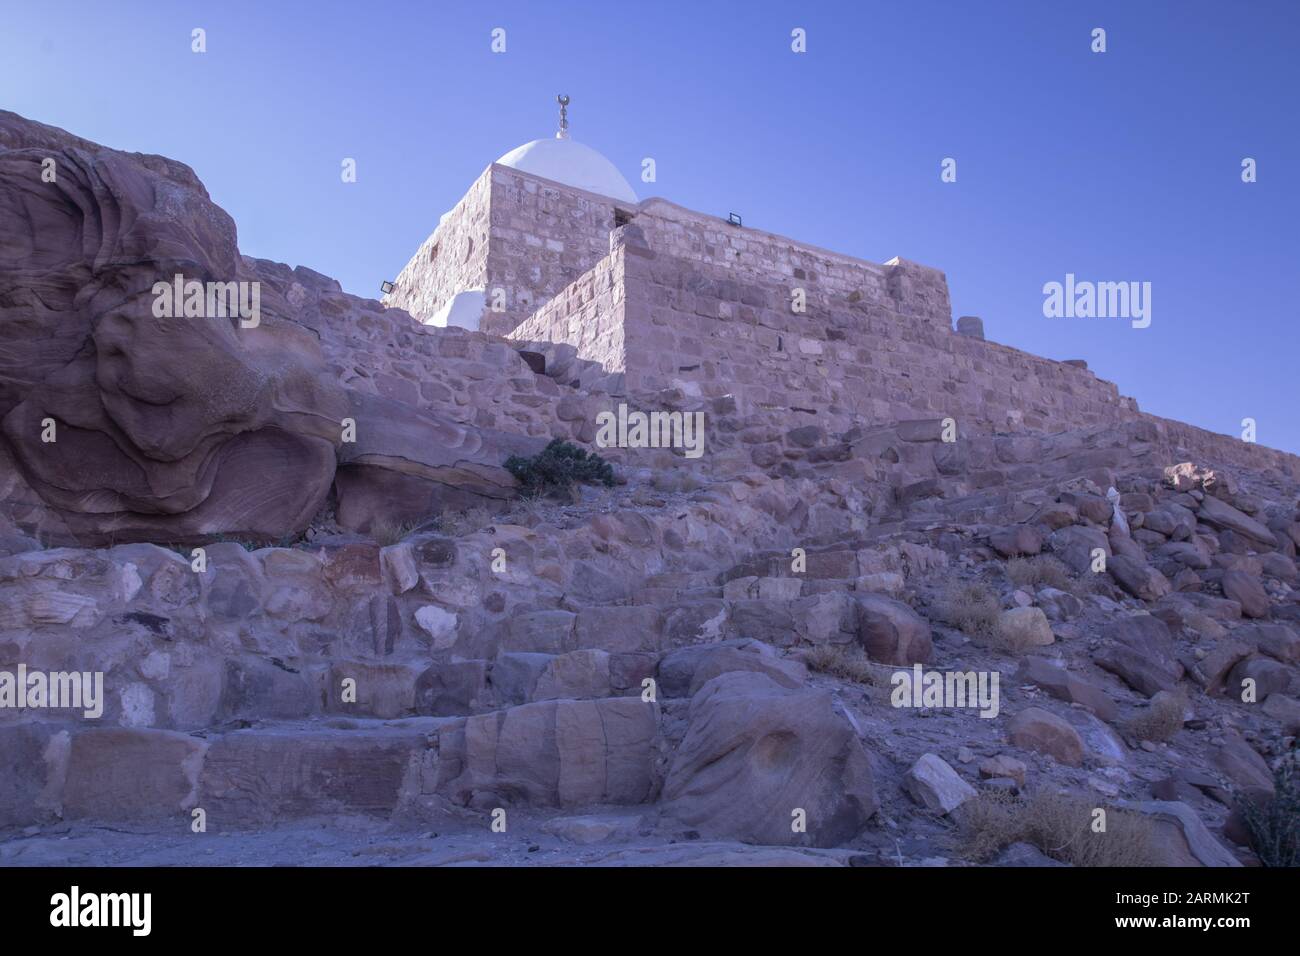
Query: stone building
point(550, 245)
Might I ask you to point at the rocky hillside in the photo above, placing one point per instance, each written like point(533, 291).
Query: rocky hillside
point(331, 628)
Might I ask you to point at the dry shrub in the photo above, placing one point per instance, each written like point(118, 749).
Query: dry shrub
point(457, 524)
point(970, 606)
point(1042, 569)
point(679, 480)
point(1058, 824)
point(530, 510)
point(1161, 719)
point(1012, 642)
point(845, 661)
point(385, 532)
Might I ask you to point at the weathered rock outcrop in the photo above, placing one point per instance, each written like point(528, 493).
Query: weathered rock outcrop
point(765, 764)
point(120, 424)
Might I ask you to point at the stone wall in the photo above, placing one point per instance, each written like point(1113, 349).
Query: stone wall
point(826, 278)
point(544, 237)
point(532, 238)
point(588, 315)
point(527, 236)
point(682, 300)
point(452, 259)
point(466, 377)
point(1187, 442)
point(709, 331)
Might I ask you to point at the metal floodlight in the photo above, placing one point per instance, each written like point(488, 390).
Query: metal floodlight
point(386, 287)
point(734, 219)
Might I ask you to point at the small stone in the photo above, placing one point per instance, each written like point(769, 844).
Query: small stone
point(936, 786)
point(1021, 627)
point(440, 625)
point(1004, 766)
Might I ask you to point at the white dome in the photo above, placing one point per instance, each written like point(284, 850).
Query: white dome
point(571, 163)
point(463, 310)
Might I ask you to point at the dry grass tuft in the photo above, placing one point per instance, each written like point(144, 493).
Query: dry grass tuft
point(845, 661)
point(678, 480)
point(384, 532)
point(530, 510)
point(970, 606)
point(1058, 824)
point(1042, 569)
point(457, 524)
point(1161, 719)
point(1045, 570)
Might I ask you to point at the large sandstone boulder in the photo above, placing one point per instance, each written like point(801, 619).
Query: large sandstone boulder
point(1276, 640)
point(1179, 836)
point(1218, 513)
point(755, 753)
point(891, 632)
point(1066, 686)
point(1247, 591)
point(1140, 650)
point(1075, 546)
point(182, 428)
point(164, 427)
point(566, 753)
point(683, 672)
point(1263, 674)
point(1016, 541)
point(406, 464)
point(1138, 578)
point(1044, 732)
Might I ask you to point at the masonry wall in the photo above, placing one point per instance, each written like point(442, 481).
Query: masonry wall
point(688, 301)
point(545, 236)
point(827, 278)
point(454, 257)
point(709, 331)
point(532, 238)
point(588, 314)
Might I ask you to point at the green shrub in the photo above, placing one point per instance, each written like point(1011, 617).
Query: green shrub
point(1274, 823)
point(559, 467)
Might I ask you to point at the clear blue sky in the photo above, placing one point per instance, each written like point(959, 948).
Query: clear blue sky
point(1116, 166)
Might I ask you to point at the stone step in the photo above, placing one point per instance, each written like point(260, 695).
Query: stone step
point(665, 597)
point(549, 753)
point(681, 579)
